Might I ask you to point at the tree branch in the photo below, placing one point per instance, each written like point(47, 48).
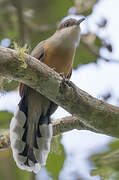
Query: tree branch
point(59, 126)
point(92, 113)
point(69, 123)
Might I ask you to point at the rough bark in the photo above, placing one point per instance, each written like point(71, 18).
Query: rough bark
point(91, 113)
point(59, 126)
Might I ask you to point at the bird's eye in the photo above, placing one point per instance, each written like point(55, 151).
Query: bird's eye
point(66, 24)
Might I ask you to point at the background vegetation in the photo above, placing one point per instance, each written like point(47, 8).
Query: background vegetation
point(30, 22)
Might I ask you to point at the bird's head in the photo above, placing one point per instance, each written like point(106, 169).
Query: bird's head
point(68, 32)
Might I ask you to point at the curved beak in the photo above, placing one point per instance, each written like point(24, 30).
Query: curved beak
point(80, 20)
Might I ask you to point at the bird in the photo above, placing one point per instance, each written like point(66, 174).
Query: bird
point(31, 128)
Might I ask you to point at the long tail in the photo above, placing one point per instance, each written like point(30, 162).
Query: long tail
point(31, 130)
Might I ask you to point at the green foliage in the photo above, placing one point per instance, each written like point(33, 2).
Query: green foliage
point(98, 42)
point(107, 163)
point(8, 19)
point(105, 173)
point(83, 56)
point(5, 118)
point(60, 8)
point(39, 25)
point(39, 22)
point(39, 13)
point(9, 170)
point(56, 158)
point(114, 145)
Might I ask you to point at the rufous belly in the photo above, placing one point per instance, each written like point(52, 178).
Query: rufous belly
point(58, 58)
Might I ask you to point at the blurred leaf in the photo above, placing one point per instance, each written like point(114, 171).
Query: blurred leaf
point(10, 18)
point(38, 18)
point(107, 163)
point(88, 49)
point(83, 56)
point(105, 173)
point(56, 159)
point(98, 42)
point(49, 7)
point(5, 118)
point(8, 168)
point(114, 145)
point(59, 7)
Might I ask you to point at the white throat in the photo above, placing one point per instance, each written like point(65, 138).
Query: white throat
point(66, 37)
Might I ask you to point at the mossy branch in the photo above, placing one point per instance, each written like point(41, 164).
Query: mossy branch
point(90, 112)
point(59, 126)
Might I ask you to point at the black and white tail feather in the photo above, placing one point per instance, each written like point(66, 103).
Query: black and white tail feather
point(31, 131)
